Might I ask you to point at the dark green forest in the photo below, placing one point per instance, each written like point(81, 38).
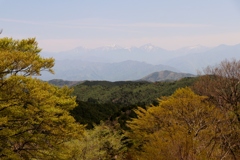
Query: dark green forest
point(102, 100)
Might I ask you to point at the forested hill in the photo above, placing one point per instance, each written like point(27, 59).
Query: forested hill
point(165, 75)
point(127, 92)
point(103, 100)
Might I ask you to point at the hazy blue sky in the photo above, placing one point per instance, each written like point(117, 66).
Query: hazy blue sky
point(170, 24)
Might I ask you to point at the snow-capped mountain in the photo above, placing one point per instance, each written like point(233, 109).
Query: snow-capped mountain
point(151, 48)
point(109, 48)
point(113, 54)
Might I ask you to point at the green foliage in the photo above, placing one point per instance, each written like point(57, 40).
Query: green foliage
point(92, 113)
point(21, 57)
point(103, 142)
point(34, 116)
point(127, 92)
point(103, 100)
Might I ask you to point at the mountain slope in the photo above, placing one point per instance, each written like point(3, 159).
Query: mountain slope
point(165, 75)
point(60, 82)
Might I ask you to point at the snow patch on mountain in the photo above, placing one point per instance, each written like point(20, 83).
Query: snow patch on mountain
point(149, 47)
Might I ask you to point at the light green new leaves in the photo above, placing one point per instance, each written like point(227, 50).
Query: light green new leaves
point(34, 115)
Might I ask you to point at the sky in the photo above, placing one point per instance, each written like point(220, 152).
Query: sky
point(60, 25)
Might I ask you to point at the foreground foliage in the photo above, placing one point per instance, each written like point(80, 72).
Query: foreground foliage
point(100, 143)
point(34, 116)
point(222, 85)
point(178, 126)
point(183, 126)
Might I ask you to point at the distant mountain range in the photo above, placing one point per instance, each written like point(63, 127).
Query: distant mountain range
point(115, 63)
point(112, 54)
point(80, 70)
point(193, 62)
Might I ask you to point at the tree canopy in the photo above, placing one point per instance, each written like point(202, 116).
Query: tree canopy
point(34, 115)
point(104, 141)
point(183, 126)
point(221, 84)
